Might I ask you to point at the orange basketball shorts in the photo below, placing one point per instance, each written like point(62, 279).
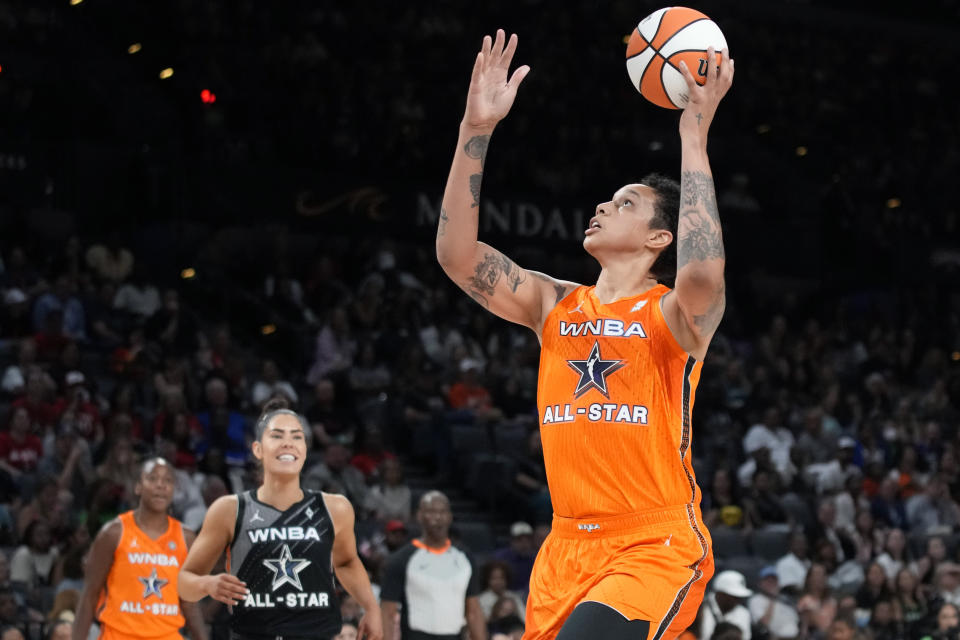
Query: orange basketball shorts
point(650, 566)
point(109, 633)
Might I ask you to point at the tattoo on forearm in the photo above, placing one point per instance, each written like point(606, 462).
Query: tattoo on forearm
point(699, 234)
point(476, 148)
point(444, 219)
point(488, 273)
point(475, 181)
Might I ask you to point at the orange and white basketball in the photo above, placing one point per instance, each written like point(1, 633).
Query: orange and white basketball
point(660, 42)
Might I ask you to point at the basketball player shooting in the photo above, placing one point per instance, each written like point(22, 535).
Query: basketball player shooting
point(628, 556)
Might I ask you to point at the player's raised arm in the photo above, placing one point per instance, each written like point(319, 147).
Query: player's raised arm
point(488, 276)
point(700, 289)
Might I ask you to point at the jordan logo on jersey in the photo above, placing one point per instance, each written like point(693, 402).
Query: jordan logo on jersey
point(594, 371)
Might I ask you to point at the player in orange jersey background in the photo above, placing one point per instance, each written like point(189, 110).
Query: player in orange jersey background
point(130, 582)
point(628, 555)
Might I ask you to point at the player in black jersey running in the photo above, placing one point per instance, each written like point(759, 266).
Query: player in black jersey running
point(283, 546)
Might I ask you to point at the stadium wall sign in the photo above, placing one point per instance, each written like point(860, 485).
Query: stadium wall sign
point(514, 218)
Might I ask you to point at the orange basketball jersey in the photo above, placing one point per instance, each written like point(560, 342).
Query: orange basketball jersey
point(140, 598)
point(615, 395)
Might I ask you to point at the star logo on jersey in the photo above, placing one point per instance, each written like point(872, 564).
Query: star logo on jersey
point(286, 569)
point(152, 585)
point(638, 306)
point(594, 371)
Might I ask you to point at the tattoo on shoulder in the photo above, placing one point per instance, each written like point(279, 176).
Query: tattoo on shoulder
point(444, 219)
point(475, 181)
point(476, 148)
point(559, 289)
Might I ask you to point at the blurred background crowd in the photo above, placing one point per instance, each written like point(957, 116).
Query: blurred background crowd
point(170, 261)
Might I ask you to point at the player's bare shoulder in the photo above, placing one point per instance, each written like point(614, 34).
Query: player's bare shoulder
point(553, 291)
point(340, 509)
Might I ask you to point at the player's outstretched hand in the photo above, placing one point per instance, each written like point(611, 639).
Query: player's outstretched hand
point(370, 626)
point(700, 109)
point(491, 94)
point(226, 588)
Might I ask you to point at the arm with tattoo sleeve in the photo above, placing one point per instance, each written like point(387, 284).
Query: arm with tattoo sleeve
point(489, 277)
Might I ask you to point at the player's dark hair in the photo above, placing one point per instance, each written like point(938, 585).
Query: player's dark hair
point(275, 406)
point(666, 215)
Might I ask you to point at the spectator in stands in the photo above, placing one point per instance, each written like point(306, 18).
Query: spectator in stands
point(842, 629)
point(875, 588)
point(469, 397)
point(64, 300)
point(368, 377)
point(13, 613)
point(933, 510)
point(36, 400)
point(20, 449)
point(868, 538)
point(174, 377)
point(495, 578)
point(530, 480)
point(814, 444)
point(76, 408)
point(119, 472)
point(826, 527)
point(336, 348)
point(935, 552)
point(519, 555)
point(722, 503)
point(910, 605)
point(771, 611)
point(348, 631)
point(371, 453)
point(223, 428)
point(946, 580)
point(725, 603)
point(895, 554)
point(15, 376)
point(172, 327)
point(137, 297)
point(106, 327)
point(15, 319)
point(32, 563)
point(69, 462)
point(269, 384)
point(328, 420)
point(727, 631)
point(948, 623)
point(395, 535)
point(817, 606)
point(110, 260)
point(390, 498)
point(505, 618)
point(775, 436)
point(59, 630)
point(763, 501)
point(887, 507)
point(336, 475)
point(883, 624)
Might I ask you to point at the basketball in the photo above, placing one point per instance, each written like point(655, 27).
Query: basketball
point(660, 42)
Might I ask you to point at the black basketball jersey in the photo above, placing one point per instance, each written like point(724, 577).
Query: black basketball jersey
point(285, 559)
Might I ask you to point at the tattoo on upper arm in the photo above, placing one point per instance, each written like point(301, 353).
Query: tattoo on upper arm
point(488, 273)
point(476, 148)
point(444, 219)
point(709, 321)
point(700, 236)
